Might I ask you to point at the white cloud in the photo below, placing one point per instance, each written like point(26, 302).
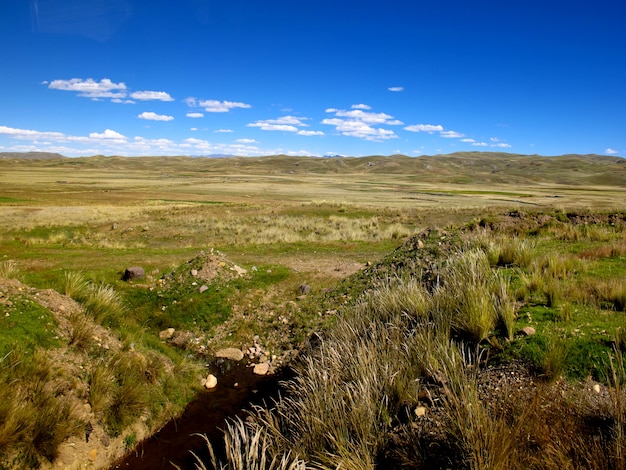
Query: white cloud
point(246, 141)
point(430, 128)
point(611, 151)
point(370, 118)
point(285, 124)
point(86, 86)
point(107, 134)
point(193, 128)
point(396, 88)
point(150, 116)
point(480, 144)
point(195, 115)
point(359, 123)
point(215, 106)
point(89, 88)
point(502, 145)
point(469, 141)
point(302, 132)
point(360, 106)
point(451, 134)
point(224, 131)
point(151, 95)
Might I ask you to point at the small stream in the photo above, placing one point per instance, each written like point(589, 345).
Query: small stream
point(236, 390)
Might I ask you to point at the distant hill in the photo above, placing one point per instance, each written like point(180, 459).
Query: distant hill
point(454, 168)
point(29, 155)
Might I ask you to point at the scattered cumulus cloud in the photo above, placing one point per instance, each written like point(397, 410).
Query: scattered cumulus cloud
point(106, 88)
point(451, 134)
point(150, 116)
point(502, 145)
point(195, 115)
point(215, 106)
point(611, 151)
point(285, 124)
point(111, 142)
point(246, 141)
point(89, 88)
point(361, 124)
point(396, 88)
point(223, 131)
point(480, 144)
point(360, 106)
point(107, 134)
point(151, 95)
point(430, 128)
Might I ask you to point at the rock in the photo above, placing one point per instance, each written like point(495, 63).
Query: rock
point(305, 289)
point(597, 388)
point(232, 354)
point(92, 455)
point(262, 368)
point(211, 382)
point(134, 272)
point(194, 272)
point(420, 411)
point(167, 334)
point(420, 244)
point(203, 288)
point(527, 331)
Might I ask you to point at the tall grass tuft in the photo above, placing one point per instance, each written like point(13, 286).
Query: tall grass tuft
point(248, 447)
point(75, 285)
point(9, 269)
point(104, 304)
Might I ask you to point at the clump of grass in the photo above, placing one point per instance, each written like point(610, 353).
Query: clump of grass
point(35, 416)
point(81, 328)
point(248, 447)
point(471, 298)
point(9, 269)
point(104, 303)
point(555, 357)
point(75, 285)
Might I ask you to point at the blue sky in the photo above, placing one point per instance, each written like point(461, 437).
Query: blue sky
point(312, 77)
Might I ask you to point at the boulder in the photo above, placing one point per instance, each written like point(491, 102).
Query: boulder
point(133, 272)
point(527, 331)
point(167, 334)
point(262, 368)
point(232, 354)
point(211, 382)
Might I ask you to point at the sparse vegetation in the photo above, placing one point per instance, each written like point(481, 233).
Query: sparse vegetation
point(394, 355)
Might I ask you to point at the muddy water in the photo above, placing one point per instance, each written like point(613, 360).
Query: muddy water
point(237, 389)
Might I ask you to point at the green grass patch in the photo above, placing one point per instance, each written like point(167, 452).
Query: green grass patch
point(25, 324)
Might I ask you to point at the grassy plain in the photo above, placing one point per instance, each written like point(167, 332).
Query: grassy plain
point(74, 225)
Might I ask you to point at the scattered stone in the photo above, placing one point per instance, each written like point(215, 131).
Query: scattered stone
point(134, 272)
point(420, 411)
point(420, 244)
point(203, 288)
point(527, 331)
point(597, 388)
point(305, 289)
point(261, 369)
point(167, 334)
point(114, 226)
point(92, 455)
point(194, 272)
point(126, 230)
point(211, 382)
point(232, 354)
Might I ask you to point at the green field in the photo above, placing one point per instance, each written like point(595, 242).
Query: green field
point(545, 238)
